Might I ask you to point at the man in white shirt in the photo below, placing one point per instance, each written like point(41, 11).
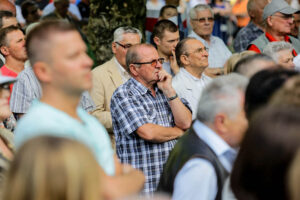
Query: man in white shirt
point(202, 22)
point(201, 160)
point(110, 75)
point(192, 57)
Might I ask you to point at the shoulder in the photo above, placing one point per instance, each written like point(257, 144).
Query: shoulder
point(104, 67)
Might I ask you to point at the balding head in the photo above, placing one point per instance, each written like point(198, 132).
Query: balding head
point(8, 6)
point(255, 10)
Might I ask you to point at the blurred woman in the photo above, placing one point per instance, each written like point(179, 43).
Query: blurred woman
point(51, 168)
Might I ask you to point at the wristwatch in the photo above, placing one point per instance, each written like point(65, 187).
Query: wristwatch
point(173, 97)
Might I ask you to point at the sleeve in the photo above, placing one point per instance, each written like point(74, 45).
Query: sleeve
point(196, 180)
point(21, 96)
point(98, 95)
point(128, 113)
point(86, 102)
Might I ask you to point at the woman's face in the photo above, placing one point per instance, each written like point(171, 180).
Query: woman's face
point(4, 104)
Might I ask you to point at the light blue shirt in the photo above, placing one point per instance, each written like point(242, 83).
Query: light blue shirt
point(218, 52)
point(190, 87)
point(197, 179)
point(72, 9)
point(43, 119)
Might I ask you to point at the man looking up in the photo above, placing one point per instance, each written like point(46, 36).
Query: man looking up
point(12, 47)
point(202, 22)
point(166, 36)
point(58, 57)
point(147, 114)
point(112, 74)
point(192, 57)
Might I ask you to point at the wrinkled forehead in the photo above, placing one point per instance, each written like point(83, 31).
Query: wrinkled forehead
point(204, 13)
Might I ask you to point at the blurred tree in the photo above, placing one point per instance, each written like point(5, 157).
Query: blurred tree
point(106, 16)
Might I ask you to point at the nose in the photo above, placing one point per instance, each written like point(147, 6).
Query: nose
point(158, 65)
point(88, 61)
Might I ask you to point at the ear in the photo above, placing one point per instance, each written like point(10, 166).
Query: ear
point(269, 21)
point(4, 50)
point(156, 40)
point(184, 60)
point(114, 47)
point(133, 70)
point(220, 123)
point(42, 72)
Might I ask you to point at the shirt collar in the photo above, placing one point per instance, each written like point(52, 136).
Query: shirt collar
point(214, 141)
point(191, 76)
point(272, 39)
point(140, 88)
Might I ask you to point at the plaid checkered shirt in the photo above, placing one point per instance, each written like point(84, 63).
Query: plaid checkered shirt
point(132, 105)
point(245, 36)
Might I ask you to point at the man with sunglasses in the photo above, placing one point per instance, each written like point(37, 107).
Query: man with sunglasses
point(112, 74)
point(147, 114)
point(278, 17)
point(202, 22)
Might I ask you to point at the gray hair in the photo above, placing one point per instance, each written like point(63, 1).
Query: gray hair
point(198, 8)
point(273, 48)
point(119, 32)
point(223, 94)
point(181, 48)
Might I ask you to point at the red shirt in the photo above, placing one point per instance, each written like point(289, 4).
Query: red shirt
point(7, 72)
point(253, 47)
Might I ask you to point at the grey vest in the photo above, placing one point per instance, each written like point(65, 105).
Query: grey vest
point(262, 41)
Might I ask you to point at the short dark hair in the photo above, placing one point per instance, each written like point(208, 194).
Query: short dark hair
point(25, 5)
point(161, 26)
point(180, 49)
point(266, 152)
point(4, 32)
point(5, 14)
point(37, 41)
point(262, 86)
point(162, 10)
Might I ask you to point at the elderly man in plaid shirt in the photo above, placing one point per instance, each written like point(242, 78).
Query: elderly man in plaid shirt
point(147, 115)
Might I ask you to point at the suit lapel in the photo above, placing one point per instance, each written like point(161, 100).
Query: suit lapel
point(114, 73)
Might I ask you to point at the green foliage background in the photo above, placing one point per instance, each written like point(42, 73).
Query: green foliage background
point(106, 16)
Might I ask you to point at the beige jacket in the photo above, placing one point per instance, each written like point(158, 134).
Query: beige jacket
point(106, 79)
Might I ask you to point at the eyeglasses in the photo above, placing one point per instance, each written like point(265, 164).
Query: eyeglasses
point(199, 50)
point(286, 17)
point(153, 62)
point(203, 19)
point(126, 46)
point(4, 86)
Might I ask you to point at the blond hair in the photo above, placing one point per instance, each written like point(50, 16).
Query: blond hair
point(234, 58)
point(52, 168)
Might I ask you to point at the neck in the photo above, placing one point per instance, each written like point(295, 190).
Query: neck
point(61, 101)
point(148, 85)
point(276, 35)
point(259, 25)
point(196, 72)
point(206, 38)
point(14, 65)
point(162, 55)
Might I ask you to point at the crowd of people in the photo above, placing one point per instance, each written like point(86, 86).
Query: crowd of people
point(185, 115)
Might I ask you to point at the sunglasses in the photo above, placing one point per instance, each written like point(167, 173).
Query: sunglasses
point(153, 62)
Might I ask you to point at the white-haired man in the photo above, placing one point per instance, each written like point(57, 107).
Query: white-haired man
point(112, 74)
point(282, 53)
point(201, 160)
point(202, 22)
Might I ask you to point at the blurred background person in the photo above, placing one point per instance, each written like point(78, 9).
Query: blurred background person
point(282, 53)
point(260, 170)
point(234, 58)
point(53, 168)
